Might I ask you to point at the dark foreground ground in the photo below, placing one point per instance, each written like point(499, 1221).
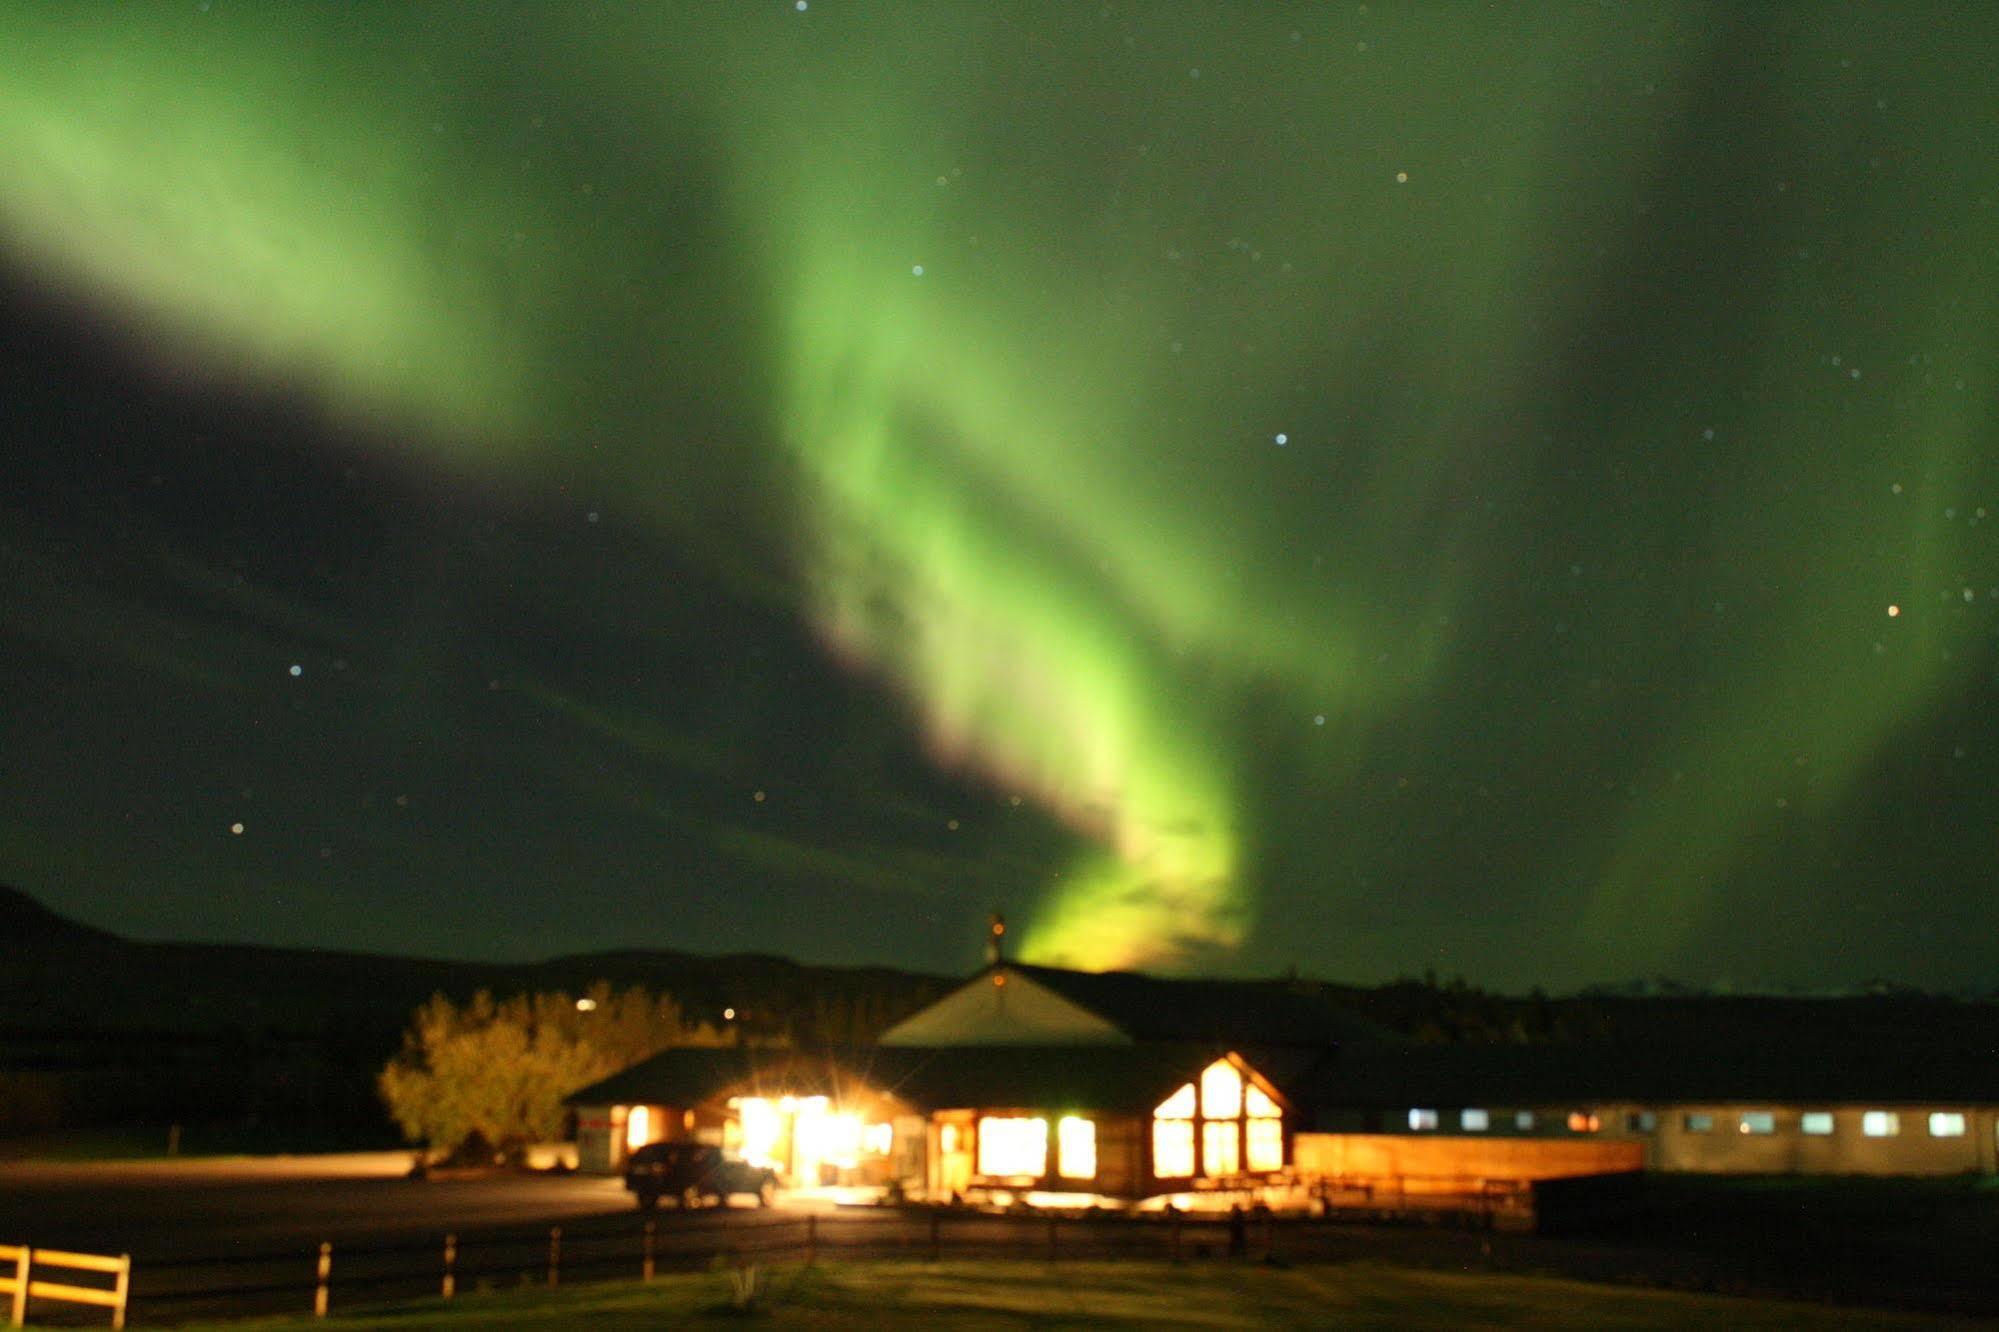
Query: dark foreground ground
point(1001, 1295)
point(240, 1237)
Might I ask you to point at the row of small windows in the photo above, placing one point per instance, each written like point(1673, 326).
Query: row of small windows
point(1476, 1120)
point(1820, 1123)
point(1754, 1123)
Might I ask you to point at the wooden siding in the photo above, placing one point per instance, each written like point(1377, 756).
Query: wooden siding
point(1415, 1158)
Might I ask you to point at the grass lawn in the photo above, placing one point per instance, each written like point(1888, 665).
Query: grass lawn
point(1110, 1295)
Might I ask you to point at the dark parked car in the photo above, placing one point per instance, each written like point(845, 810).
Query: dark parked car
point(691, 1173)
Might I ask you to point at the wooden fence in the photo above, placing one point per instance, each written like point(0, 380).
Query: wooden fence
point(344, 1275)
point(344, 1272)
point(22, 1286)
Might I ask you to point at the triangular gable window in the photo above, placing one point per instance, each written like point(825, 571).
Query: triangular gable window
point(1238, 1126)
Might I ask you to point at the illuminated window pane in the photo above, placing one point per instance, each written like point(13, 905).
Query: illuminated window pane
point(638, 1126)
point(1523, 1120)
point(1584, 1121)
point(1421, 1121)
point(1173, 1146)
point(1880, 1123)
point(1076, 1148)
point(1474, 1121)
point(1699, 1123)
point(1946, 1124)
point(1221, 1091)
point(1817, 1123)
point(1257, 1104)
point(1220, 1148)
point(1013, 1147)
point(1266, 1144)
point(762, 1130)
point(1758, 1122)
point(1180, 1105)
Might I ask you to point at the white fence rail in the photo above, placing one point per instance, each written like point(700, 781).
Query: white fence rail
point(21, 1286)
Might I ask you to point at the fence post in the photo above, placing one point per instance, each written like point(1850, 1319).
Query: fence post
point(23, 1269)
point(450, 1266)
point(936, 1237)
point(1051, 1239)
point(811, 1238)
point(325, 1273)
point(121, 1290)
point(554, 1254)
point(646, 1268)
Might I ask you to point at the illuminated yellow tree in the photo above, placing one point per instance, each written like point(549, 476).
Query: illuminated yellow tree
point(499, 1069)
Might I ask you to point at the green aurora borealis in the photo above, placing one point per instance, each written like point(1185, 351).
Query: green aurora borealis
point(1357, 486)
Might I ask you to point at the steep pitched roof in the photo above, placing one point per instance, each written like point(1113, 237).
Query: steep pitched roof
point(1234, 1012)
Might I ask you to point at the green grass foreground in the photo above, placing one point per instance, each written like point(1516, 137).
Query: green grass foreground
point(1109, 1295)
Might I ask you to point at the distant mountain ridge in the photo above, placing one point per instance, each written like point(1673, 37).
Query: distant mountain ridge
point(25, 920)
point(59, 975)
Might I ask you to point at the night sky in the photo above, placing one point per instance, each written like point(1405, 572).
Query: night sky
point(1508, 490)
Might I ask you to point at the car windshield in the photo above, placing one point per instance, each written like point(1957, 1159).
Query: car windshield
point(671, 1152)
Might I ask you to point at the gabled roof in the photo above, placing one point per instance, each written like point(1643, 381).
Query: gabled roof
point(689, 1075)
point(1115, 1079)
point(1118, 1079)
point(1233, 1012)
point(1004, 1006)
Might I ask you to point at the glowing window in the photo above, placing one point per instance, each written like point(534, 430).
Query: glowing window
point(1180, 1105)
point(1946, 1124)
point(822, 1135)
point(638, 1126)
point(1757, 1122)
point(947, 1138)
point(1266, 1144)
point(1076, 1148)
point(1421, 1121)
point(1523, 1120)
point(762, 1130)
point(1641, 1121)
point(1817, 1123)
point(1221, 1148)
point(1221, 1091)
point(1699, 1123)
point(1583, 1121)
point(877, 1139)
point(1013, 1147)
point(1258, 1105)
point(1474, 1121)
point(1173, 1148)
point(1881, 1123)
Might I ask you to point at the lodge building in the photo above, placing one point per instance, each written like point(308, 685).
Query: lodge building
point(1024, 1080)
point(1068, 1087)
